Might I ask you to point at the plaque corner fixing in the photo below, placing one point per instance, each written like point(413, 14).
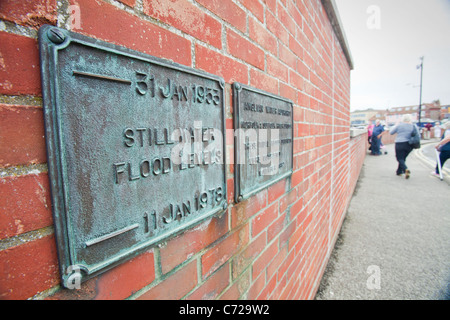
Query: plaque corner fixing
point(54, 36)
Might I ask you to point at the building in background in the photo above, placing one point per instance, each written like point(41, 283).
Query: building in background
point(431, 112)
point(445, 112)
point(362, 117)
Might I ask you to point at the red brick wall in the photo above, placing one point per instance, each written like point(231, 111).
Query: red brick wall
point(274, 245)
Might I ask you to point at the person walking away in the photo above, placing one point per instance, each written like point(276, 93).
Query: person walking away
point(404, 131)
point(444, 148)
point(377, 132)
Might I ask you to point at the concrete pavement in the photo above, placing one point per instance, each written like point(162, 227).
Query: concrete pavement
point(395, 241)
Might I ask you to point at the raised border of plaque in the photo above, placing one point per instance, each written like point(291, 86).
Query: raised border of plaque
point(263, 148)
point(136, 149)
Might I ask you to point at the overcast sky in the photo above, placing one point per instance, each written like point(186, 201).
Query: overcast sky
point(386, 40)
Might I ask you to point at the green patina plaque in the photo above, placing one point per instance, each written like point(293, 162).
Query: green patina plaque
point(135, 149)
point(263, 147)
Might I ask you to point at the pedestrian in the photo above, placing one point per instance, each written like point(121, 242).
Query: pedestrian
point(444, 148)
point(437, 130)
point(377, 132)
point(369, 133)
point(427, 129)
point(404, 132)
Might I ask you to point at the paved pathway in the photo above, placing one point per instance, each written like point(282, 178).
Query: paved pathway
point(395, 241)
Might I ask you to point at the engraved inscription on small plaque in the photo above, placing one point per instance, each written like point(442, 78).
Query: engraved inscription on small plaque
point(263, 125)
point(136, 148)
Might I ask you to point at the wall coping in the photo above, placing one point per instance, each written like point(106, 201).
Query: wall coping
point(356, 132)
point(335, 20)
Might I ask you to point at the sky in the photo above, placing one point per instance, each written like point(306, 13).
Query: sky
point(386, 40)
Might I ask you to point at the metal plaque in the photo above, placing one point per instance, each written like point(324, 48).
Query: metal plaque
point(263, 147)
point(135, 149)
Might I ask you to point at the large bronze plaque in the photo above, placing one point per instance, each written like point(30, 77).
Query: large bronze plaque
point(135, 149)
point(263, 125)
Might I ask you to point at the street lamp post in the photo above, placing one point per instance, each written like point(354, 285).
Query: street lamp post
point(420, 102)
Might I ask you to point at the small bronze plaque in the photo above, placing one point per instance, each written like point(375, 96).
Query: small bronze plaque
point(263, 125)
point(135, 146)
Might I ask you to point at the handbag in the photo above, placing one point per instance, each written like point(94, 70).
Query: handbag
point(414, 141)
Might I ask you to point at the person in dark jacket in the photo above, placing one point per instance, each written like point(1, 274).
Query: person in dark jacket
point(377, 132)
point(404, 131)
point(443, 147)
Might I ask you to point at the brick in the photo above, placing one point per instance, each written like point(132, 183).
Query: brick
point(186, 17)
point(296, 47)
point(263, 219)
point(284, 266)
point(276, 190)
point(248, 255)
point(180, 248)
point(230, 190)
point(238, 288)
point(243, 211)
point(30, 13)
point(130, 3)
point(308, 32)
point(127, 278)
point(303, 130)
point(275, 26)
point(303, 99)
point(260, 35)
point(263, 81)
point(216, 63)
point(213, 286)
point(298, 114)
point(25, 204)
point(277, 69)
point(287, 199)
point(257, 287)
point(229, 132)
point(286, 234)
point(276, 227)
point(288, 92)
point(243, 49)
point(255, 7)
point(228, 11)
point(287, 56)
point(295, 13)
point(222, 251)
point(296, 208)
point(22, 138)
point(19, 65)
point(286, 19)
point(263, 261)
point(271, 5)
point(174, 287)
point(296, 80)
point(269, 288)
point(28, 269)
point(275, 264)
point(109, 23)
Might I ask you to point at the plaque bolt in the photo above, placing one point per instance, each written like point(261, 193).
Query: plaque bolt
point(56, 36)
